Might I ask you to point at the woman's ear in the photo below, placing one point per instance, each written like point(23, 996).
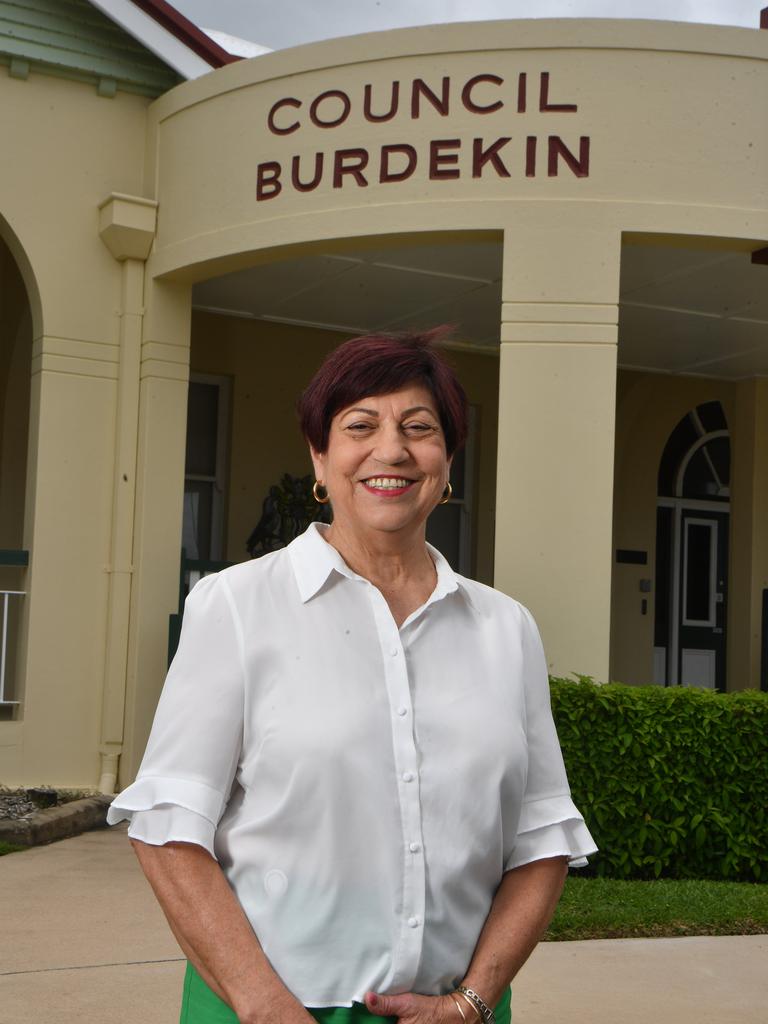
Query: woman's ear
point(318, 462)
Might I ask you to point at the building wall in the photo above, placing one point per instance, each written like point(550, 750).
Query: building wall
point(661, 136)
point(68, 149)
point(676, 139)
point(269, 364)
point(678, 147)
point(545, 131)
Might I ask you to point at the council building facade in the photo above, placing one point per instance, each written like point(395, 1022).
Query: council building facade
point(184, 236)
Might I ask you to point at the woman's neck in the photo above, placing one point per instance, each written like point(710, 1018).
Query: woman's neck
point(388, 559)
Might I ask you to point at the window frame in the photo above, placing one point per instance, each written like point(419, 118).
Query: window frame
point(219, 478)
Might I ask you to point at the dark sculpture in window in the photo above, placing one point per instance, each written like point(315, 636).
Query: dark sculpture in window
point(288, 509)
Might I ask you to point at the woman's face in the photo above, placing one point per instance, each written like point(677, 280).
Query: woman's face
point(386, 466)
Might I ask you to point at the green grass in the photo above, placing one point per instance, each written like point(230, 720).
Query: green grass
point(602, 908)
point(10, 848)
point(606, 908)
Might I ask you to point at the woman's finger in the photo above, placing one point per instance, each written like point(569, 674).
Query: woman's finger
point(410, 1008)
point(389, 1006)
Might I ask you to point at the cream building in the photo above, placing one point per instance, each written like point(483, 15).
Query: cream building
point(185, 235)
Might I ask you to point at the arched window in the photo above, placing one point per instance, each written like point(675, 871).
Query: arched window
point(697, 457)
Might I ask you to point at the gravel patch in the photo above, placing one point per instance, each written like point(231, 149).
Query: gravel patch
point(20, 803)
point(43, 814)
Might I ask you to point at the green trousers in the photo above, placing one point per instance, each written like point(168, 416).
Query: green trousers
point(200, 1005)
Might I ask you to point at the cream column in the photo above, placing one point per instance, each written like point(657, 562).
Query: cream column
point(159, 505)
point(557, 394)
point(127, 228)
point(748, 574)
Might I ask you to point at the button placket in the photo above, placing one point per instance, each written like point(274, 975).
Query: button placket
point(408, 951)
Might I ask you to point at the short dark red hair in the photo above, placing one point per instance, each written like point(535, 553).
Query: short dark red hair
point(378, 364)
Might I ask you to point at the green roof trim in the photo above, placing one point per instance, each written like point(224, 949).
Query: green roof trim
point(71, 38)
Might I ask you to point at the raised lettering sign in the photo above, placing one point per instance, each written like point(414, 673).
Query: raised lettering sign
point(437, 159)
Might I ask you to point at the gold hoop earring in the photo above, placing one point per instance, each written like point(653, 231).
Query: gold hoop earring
point(446, 494)
point(320, 500)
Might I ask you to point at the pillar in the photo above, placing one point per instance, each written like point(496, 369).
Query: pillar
point(748, 575)
point(74, 385)
point(557, 394)
point(164, 382)
point(127, 228)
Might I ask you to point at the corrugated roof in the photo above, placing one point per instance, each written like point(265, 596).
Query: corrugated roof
point(74, 39)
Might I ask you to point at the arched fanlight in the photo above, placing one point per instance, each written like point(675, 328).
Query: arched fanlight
point(696, 462)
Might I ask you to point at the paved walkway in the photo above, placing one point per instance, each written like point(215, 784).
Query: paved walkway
point(83, 942)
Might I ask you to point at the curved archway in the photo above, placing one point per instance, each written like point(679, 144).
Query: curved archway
point(692, 528)
point(18, 253)
point(18, 298)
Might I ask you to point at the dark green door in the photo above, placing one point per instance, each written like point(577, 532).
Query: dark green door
point(703, 600)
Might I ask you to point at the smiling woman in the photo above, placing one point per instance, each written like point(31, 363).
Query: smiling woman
point(353, 803)
point(383, 418)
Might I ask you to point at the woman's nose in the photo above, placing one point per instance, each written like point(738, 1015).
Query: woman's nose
point(390, 446)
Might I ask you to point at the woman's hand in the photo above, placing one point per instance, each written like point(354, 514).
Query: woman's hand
point(410, 1008)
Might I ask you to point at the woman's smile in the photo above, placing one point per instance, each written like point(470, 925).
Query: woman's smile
point(387, 486)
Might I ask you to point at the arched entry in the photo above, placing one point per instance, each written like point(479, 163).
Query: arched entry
point(15, 368)
point(692, 551)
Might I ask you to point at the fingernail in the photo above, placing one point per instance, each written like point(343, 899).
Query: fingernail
point(373, 999)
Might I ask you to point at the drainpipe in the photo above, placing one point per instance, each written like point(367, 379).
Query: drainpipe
point(127, 228)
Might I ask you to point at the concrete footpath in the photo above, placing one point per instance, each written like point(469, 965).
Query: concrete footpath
point(82, 940)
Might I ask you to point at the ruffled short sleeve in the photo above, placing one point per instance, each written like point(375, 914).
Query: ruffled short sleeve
point(194, 748)
point(165, 822)
point(550, 824)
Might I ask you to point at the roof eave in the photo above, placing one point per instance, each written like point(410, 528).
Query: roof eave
point(167, 34)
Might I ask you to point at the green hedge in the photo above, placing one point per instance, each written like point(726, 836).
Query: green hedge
point(672, 782)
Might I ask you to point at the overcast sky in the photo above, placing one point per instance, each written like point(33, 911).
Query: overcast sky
point(290, 22)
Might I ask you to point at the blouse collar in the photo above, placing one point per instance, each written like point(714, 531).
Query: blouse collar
point(314, 559)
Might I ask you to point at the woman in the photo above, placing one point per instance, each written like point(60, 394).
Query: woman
point(353, 804)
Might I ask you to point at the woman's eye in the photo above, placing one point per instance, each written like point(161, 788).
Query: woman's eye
point(359, 428)
point(419, 428)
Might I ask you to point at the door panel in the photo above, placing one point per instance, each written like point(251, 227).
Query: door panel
point(699, 577)
point(699, 668)
point(703, 581)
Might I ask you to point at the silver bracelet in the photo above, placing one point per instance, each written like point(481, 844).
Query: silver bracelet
point(483, 1008)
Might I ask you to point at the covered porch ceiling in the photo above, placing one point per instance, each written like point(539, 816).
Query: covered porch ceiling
point(682, 310)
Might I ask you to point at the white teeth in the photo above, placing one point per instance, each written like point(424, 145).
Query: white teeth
point(387, 482)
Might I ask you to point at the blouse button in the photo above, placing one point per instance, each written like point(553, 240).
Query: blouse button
point(408, 776)
point(402, 711)
point(413, 922)
point(414, 847)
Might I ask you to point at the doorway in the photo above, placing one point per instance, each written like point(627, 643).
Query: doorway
point(692, 542)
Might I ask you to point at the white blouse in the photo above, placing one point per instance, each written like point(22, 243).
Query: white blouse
point(363, 787)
